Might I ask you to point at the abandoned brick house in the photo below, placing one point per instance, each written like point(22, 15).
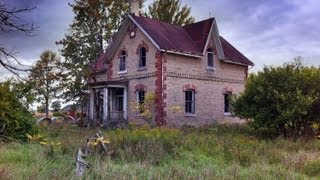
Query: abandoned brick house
point(189, 66)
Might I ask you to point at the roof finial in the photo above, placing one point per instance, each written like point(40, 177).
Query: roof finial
point(210, 15)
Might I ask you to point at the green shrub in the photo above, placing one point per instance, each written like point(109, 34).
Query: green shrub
point(281, 100)
point(15, 119)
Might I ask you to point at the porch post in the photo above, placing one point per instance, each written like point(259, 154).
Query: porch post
point(105, 105)
point(91, 106)
point(125, 103)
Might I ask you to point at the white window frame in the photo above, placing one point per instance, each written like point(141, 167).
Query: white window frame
point(140, 58)
point(123, 58)
point(210, 52)
point(229, 95)
point(193, 103)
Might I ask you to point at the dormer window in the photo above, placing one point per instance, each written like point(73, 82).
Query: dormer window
point(142, 57)
point(210, 62)
point(122, 65)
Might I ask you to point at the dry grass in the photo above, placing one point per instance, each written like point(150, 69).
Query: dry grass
point(215, 152)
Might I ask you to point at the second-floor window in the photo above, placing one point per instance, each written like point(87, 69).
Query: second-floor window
point(210, 63)
point(122, 65)
point(142, 57)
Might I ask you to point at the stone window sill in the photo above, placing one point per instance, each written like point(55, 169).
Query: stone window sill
point(123, 72)
point(141, 68)
point(227, 114)
point(212, 68)
point(190, 115)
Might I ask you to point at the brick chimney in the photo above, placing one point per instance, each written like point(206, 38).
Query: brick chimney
point(134, 7)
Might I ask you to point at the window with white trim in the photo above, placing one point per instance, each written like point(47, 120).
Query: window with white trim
point(210, 62)
point(142, 57)
point(122, 65)
point(190, 102)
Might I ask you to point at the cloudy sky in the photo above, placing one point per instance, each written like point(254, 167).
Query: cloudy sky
point(269, 32)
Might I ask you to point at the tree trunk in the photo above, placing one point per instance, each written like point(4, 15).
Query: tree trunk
point(47, 106)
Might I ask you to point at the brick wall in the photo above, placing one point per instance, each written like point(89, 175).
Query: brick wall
point(177, 73)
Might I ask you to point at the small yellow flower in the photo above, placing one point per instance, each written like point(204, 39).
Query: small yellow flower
point(43, 143)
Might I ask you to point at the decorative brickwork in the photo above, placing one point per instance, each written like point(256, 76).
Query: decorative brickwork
point(140, 87)
point(121, 50)
point(160, 75)
point(142, 44)
point(189, 87)
point(227, 90)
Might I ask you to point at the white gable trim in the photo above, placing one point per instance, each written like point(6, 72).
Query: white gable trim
point(232, 62)
point(144, 32)
point(214, 32)
point(181, 53)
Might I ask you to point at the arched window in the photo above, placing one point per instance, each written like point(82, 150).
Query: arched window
point(142, 57)
point(210, 62)
point(190, 102)
point(122, 65)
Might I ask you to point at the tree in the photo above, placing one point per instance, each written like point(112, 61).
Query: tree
point(10, 22)
point(15, 119)
point(56, 106)
point(45, 77)
point(94, 23)
point(170, 11)
point(282, 100)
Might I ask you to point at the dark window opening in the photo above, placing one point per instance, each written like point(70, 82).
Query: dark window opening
point(119, 100)
point(227, 105)
point(143, 57)
point(141, 95)
point(190, 102)
point(122, 65)
point(210, 58)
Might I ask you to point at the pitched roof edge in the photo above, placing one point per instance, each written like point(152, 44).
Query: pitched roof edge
point(182, 53)
point(248, 62)
point(144, 32)
point(119, 36)
point(237, 63)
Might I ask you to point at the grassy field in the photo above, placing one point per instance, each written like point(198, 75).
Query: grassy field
point(215, 152)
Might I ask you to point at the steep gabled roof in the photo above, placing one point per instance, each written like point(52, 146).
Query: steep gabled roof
point(199, 32)
point(188, 40)
point(167, 36)
point(233, 55)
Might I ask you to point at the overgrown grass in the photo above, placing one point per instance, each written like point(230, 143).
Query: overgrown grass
point(214, 152)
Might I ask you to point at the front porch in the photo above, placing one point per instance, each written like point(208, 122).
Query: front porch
point(108, 105)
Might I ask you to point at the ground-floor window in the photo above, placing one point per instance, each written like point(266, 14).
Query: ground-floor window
point(227, 106)
point(140, 100)
point(190, 102)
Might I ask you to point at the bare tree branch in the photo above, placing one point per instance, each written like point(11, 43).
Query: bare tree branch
point(11, 22)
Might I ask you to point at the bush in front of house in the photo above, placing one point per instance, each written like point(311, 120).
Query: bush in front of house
point(282, 100)
point(15, 119)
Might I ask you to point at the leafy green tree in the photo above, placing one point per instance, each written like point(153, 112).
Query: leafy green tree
point(56, 106)
point(94, 23)
point(15, 119)
point(45, 77)
point(41, 108)
point(170, 11)
point(282, 100)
